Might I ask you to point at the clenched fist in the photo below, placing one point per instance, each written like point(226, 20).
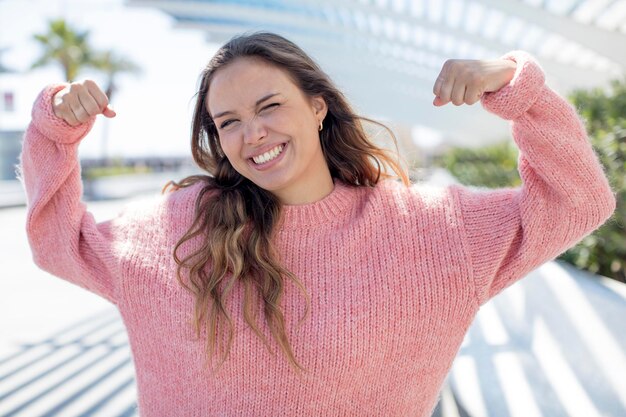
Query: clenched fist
point(466, 80)
point(79, 101)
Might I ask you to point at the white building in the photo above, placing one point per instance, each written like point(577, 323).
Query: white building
point(12, 123)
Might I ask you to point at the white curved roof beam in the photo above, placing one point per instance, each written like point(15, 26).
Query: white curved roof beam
point(492, 44)
point(265, 18)
point(400, 98)
point(410, 96)
point(414, 75)
point(576, 75)
point(410, 73)
point(263, 15)
point(588, 11)
point(610, 44)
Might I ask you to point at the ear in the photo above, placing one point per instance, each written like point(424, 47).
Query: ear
point(319, 107)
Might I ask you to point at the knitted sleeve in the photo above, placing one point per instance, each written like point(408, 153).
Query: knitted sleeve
point(63, 236)
point(565, 194)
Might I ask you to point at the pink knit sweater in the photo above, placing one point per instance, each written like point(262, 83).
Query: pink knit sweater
point(395, 274)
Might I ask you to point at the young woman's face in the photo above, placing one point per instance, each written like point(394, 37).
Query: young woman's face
point(268, 128)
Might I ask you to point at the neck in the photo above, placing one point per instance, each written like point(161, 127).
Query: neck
point(321, 188)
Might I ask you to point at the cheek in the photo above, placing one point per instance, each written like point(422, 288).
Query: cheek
point(282, 121)
point(230, 148)
point(234, 158)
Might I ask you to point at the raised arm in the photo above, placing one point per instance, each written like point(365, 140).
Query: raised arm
point(64, 238)
point(565, 194)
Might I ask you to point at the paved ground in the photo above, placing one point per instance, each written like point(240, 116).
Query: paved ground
point(551, 345)
point(64, 351)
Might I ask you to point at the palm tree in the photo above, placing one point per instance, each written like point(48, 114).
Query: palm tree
point(111, 64)
point(70, 48)
point(65, 46)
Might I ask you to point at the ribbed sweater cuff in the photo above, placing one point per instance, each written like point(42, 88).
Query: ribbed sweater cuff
point(53, 127)
point(515, 98)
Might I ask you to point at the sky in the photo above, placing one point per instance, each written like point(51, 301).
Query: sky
point(153, 108)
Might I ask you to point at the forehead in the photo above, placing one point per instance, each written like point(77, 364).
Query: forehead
point(242, 82)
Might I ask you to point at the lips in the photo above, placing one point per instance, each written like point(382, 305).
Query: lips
point(268, 164)
point(269, 155)
point(265, 149)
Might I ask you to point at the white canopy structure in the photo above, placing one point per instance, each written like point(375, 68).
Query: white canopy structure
point(386, 54)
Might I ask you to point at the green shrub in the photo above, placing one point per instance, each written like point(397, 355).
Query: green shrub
point(604, 112)
point(604, 251)
point(117, 167)
point(492, 166)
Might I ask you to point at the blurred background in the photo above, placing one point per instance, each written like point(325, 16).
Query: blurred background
point(385, 55)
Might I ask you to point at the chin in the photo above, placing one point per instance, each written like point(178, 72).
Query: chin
point(272, 183)
point(270, 187)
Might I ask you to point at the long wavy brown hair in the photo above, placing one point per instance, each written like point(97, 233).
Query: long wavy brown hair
point(235, 219)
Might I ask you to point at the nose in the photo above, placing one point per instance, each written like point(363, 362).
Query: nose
point(254, 131)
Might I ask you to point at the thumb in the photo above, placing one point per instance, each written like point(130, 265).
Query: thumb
point(109, 112)
point(438, 101)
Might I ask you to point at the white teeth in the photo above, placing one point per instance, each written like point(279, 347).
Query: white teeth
point(269, 155)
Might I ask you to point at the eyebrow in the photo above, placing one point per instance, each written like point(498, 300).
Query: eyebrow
point(259, 101)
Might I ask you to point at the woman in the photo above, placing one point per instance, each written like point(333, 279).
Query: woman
point(365, 284)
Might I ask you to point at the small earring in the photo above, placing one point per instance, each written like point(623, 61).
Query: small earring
point(321, 125)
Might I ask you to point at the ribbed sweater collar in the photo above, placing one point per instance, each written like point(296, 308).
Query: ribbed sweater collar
point(335, 207)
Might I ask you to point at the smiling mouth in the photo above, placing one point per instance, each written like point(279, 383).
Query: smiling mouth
point(269, 155)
